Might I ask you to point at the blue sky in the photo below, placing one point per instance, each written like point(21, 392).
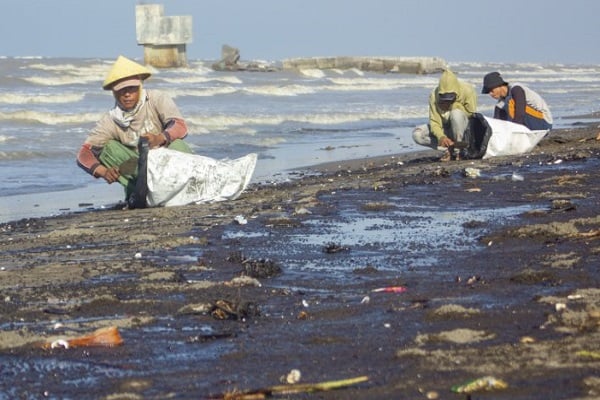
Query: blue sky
point(538, 31)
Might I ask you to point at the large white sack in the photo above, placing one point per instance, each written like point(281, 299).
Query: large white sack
point(509, 138)
point(176, 178)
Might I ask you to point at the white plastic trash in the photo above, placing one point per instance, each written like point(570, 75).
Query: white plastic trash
point(176, 178)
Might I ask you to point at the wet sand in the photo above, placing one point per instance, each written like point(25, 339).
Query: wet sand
point(498, 276)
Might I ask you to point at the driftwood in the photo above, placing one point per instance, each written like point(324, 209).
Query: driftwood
point(283, 390)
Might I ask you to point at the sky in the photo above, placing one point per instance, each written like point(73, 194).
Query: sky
point(536, 31)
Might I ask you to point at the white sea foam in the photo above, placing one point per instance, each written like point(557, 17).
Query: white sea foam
point(27, 98)
point(205, 92)
point(313, 73)
point(49, 118)
point(227, 122)
point(286, 90)
point(233, 80)
point(59, 80)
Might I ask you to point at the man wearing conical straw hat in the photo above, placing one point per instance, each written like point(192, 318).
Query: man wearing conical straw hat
point(111, 149)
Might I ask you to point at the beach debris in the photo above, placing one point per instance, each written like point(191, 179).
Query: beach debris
point(431, 395)
point(261, 268)
point(59, 343)
point(224, 309)
point(205, 337)
point(240, 220)
point(560, 306)
point(196, 309)
point(365, 300)
point(563, 205)
point(302, 211)
point(527, 340)
point(137, 256)
point(103, 337)
point(589, 354)
point(473, 190)
point(517, 177)
point(302, 315)
point(470, 172)
point(331, 248)
point(485, 383)
point(243, 280)
point(297, 388)
point(292, 377)
point(391, 289)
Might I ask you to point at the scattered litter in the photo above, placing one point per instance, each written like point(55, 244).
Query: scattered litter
point(560, 306)
point(240, 220)
point(305, 303)
point(293, 389)
point(472, 172)
point(480, 384)
point(575, 296)
point(331, 248)
point(293, 376)
point(103, 337)
point(473, 190)
point(589, 354)
point(527, 340)
point(302, 211)
point(137, 256)
point(365, 300)
point(391, 289)
point(59, 343)
point(517, 177)
point(432, 395)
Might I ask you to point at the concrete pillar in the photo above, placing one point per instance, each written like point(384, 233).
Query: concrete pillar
point(164, 38)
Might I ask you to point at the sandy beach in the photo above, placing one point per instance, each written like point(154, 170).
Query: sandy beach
point(398, 270)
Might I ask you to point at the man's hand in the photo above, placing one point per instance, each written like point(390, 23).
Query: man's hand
point(155, 141)
point(110, 175)
point(446, 142)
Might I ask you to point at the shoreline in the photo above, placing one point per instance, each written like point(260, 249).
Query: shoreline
point(277, 165)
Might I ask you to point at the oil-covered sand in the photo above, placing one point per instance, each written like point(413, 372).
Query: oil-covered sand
point(500, 271)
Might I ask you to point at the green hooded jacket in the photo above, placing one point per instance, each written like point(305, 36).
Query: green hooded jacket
point(466, 100)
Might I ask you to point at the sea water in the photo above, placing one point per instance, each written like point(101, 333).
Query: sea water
point(292, 119)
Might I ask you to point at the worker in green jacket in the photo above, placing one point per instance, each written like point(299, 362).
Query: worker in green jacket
point(451, 104)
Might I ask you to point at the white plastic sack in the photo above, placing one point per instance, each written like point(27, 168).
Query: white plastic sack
point(176, 178)
point(509, 138)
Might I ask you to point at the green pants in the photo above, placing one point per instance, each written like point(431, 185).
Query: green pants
point(116, 154)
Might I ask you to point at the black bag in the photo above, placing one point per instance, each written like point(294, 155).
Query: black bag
point(138, 197)
point(476, 137)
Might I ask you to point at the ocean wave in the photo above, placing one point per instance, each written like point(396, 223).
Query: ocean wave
point(210, 123)
point(203, 79)
point(49, 118)
point(276, 90)
point(30, 155)
point(59, 80)
point(205, 92)
point(23, 98)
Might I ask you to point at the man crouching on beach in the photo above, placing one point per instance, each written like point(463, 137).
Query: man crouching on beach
point(111, 149)
point(451, 104)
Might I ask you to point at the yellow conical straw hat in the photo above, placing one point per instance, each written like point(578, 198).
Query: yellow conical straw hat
point(125, 68)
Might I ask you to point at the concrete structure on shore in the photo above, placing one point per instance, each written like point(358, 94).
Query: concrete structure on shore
point(408, 65)
point(164, 38)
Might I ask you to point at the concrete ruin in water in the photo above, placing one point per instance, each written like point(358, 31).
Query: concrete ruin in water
point(164, 38)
